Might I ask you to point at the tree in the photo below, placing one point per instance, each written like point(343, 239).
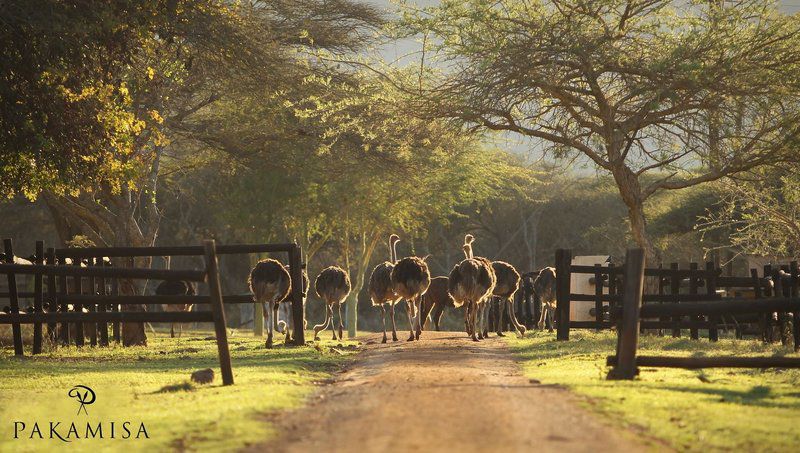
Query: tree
point(152, 73)
point(758, 212)
point(690, 92)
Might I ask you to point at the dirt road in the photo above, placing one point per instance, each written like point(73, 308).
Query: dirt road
point(442, 394)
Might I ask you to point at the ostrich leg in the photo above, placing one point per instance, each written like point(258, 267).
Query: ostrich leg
point(487, 306)
point(289, 328)
point(383, 317)
point(333, 321)
point(479, 320)
point(437, 316)
point(394, 324)
point(320, 327)
point(499, 321)
point(341, 324)
point(410, 311)
point(418, 309)
point(520, 328)
point(473, 316)
point(467, 319)
point(269, 312)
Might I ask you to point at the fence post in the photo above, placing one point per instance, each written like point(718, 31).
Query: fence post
point(758, 295)
point(778, 292)
point(675, 291)
point(218, 311)
point(298, 310)
point(711, 290)
point(13, 297)
point(38, 291)
point(92, 307)
point(52, 302)
point(78, 308)
point(795, 285)
point(768, 292)
point(629, 326)
point(115, 326)
point(563, 262)
point(613, 303)
point(693, 284)
point(598, 294)
point(63, 326)
point(101, 290)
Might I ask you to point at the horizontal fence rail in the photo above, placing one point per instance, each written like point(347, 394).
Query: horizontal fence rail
point(103, 272)
point(133, 252)
point(722, 307)
point(122, 316)
point(711, 362)
point(156, 300)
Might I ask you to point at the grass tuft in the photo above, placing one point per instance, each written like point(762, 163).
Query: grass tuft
point(181, 387)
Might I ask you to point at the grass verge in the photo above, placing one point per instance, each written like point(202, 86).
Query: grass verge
point(151, 385)
point(706, 410)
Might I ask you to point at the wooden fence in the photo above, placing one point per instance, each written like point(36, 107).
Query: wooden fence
point(85, 285)
point(38, 316)
point(628, 321)
point(671, 285)
point(292, 250)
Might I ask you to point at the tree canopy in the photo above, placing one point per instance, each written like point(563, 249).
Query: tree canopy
point(689, 91)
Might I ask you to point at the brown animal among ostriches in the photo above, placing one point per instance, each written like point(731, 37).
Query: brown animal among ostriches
point(470, 282)
point(434, 301)
point(381, 289)
point(286, 325)
point(270, 284)
point(508, 281)
point(411, 278)
point(544, 289)
point(332, 286)
point(175, 288)
point(482, 305)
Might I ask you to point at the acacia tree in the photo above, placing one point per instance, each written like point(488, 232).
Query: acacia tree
point(662, 95)
point(758, 213)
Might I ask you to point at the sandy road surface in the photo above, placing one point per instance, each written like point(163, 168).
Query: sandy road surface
point(442, 394)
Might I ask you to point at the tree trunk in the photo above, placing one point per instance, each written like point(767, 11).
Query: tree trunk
point(631, 192)
point(351, 303)
point(115, 220)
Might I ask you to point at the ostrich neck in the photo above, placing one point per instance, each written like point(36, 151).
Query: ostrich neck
point(393, 252)
point(468, 252)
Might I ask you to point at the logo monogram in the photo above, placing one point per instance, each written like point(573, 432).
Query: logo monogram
point(84, 395)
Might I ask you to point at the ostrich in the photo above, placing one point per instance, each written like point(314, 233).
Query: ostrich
point(483, 303)
point(411, 278)
point(381, 289)
point(175, 288)
point(508, 280)
point(332, 286)
point(435, 300)
point(270, 284)
point(544, 288)
point(286, 325)
point(470, 282)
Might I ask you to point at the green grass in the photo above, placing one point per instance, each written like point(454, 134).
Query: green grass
point(151, 385)
point(708, 410)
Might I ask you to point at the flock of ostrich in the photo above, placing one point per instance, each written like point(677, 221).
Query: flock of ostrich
point(472, 283)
